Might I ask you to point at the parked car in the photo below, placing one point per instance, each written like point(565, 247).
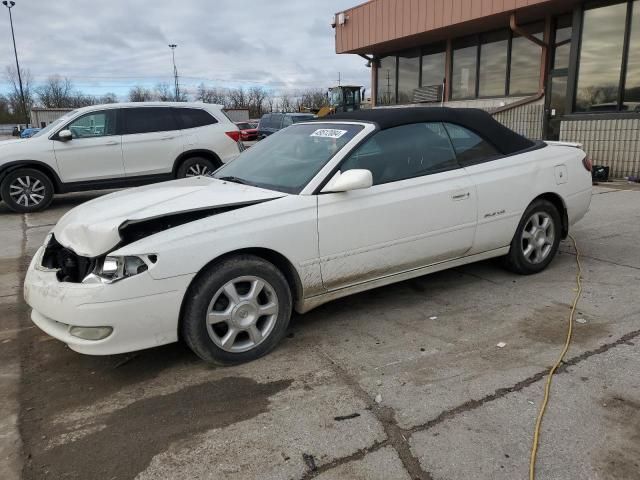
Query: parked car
point(115, 145)
point(318, 211)
point(29, 132)
point(272, 122)
point(248, 132)
point(15, 132)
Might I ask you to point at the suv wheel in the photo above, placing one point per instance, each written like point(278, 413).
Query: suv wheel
point(536, 240)
point(237, 310)
point(195, 167)
point(26, 190)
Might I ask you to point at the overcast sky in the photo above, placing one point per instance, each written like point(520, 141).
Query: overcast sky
point(109, 46)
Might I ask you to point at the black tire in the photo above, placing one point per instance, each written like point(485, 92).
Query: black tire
point(195, 166)
point(37, 187)
point(206, 288)
point(517, 260)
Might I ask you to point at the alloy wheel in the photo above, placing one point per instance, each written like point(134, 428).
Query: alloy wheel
point(197, 170)
point(27, 191)
point(242, 314)
point(538, 237)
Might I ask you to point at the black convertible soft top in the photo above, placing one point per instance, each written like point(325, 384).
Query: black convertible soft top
point(505, 140)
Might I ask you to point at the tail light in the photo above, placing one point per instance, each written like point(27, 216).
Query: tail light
point(587, 164)
point(234, 135)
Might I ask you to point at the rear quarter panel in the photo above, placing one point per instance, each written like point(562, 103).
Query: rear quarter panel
point(506, 186)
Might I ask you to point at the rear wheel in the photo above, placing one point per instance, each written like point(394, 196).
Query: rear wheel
point(26, 190)
point(536, 240)
point(196, 166)
point(237, 310)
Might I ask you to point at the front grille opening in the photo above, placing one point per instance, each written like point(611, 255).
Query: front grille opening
point(70, 266)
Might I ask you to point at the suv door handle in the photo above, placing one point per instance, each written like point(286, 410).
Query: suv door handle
point(113, 142)
point(460, 196)
point(167, 138)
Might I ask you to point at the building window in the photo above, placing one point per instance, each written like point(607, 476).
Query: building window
point(387, 81)
point(632, 83)
point(524, 77)
point(433, 65)
point(509, 65)
point(562, 47)
point(464, 69)
point(408, 75)
point(603, 35)
point(494, 50)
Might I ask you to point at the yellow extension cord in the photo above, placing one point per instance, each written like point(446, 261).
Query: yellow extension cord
point(547, 388)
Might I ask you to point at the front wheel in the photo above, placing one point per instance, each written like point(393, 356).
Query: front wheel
point(236, 310)
point(536, 240)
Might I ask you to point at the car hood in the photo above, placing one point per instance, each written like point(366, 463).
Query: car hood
point(93, 228)
point(11, 144)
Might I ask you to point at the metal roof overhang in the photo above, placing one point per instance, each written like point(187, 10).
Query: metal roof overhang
point(383, 26)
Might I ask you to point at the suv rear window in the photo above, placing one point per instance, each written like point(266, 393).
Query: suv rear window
point(272, 120)
point(194, 117)
point(149, 119)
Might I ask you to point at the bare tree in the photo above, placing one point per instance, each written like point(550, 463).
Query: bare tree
point(6, 114)
point(78, 99)
point(211, 95)
point(14, 98)
point(109, 97)
point(256, 99)
point(56, 92)
point(140, 94)
point(286, 103)
point(238, 98)
point(312, 98)
point(163, 93)
point(271, 103)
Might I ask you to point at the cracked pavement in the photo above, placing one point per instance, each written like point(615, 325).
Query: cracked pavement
point(403, 382)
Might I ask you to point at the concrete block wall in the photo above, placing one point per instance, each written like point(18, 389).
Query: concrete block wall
point(613, 142)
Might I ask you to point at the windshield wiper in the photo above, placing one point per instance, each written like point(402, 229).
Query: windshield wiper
point(234, 180)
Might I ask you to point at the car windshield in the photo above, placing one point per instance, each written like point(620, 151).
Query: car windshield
point(55, 124)
point(287, 160)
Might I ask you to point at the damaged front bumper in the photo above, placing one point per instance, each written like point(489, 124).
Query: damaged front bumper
point(135, 313)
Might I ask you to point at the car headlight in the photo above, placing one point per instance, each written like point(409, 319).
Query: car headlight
point(115, 267)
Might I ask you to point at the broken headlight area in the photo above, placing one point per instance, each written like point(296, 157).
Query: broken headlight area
point(111, 268)
point(74, 268)
point(68, 265)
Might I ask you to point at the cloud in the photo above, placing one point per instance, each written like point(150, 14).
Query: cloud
point(110, 46)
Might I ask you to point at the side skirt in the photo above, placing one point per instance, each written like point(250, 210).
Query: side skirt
point(312, 302)
point(120, 182)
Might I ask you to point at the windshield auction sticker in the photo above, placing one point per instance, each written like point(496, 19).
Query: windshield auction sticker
point(328, 133)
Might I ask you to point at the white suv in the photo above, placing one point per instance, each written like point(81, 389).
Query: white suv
point(115, 145)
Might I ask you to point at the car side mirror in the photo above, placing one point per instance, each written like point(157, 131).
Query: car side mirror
point(65, 135)
point(356, 179)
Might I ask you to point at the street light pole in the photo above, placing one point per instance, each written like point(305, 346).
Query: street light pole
point(10, 4)
point(175, 71)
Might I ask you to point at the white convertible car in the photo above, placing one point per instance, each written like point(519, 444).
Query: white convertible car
point(317, 211)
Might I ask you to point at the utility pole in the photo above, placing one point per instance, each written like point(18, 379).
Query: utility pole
point(175, 71)
point(10, 5)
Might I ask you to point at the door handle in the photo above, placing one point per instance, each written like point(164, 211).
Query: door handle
point(460, 196)
point(112, 143)
point(167, 138)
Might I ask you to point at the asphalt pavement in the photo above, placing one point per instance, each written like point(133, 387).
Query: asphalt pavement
point(403, 382)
